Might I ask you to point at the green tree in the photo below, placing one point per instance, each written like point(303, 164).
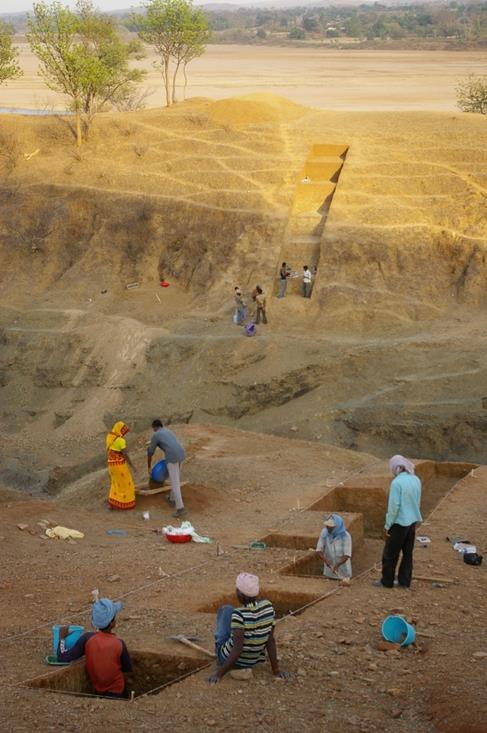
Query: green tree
point(81, 56)
point(192, 43)
point(9, 68)
point(177, 32)
point(296, 34)
point(472, 94)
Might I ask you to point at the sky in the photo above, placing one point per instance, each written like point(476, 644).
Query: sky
point(18, 6)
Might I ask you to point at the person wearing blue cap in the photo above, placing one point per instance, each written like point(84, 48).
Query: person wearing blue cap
point(107, 658)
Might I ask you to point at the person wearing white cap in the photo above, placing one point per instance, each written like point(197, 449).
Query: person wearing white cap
point(403, 514)
point(244, 634)
point(335, 548)
point(107, 658)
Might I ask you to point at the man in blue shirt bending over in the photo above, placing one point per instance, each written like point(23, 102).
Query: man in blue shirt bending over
point(174, 454)
point(403, 513)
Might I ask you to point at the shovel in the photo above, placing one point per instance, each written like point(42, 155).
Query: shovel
point(184, 640)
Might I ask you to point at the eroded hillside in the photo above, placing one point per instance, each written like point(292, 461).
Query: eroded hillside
point(390, 348)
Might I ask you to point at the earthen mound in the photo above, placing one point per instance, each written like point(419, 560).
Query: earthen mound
point(252, 109)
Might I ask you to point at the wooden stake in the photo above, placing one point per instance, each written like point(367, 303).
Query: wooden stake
point(433, 579)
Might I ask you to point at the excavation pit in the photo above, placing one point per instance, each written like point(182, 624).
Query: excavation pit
point(151, 673)
point(438, 479)
point(306, 528)
point(310, 565)
point(368, 494)
point(284, 602)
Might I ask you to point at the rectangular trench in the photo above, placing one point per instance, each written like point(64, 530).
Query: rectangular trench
point(284, 601)
point(150, 671)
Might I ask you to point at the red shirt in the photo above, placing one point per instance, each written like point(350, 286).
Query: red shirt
point(106, 660)
point(103, 664)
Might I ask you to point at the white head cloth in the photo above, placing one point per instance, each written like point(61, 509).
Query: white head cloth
point(398, 462)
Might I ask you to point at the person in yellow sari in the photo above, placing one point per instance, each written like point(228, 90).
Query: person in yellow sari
point(122, 489)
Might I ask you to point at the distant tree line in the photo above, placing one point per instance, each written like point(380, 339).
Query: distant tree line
point(453, 23)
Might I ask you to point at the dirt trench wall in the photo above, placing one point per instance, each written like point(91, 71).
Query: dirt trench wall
point(421, 264)
point(60, 237)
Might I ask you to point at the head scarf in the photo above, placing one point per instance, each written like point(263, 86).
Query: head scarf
point(104, 611)
point(398, 462)
point(339, 528)
point(118, 431)
point(248, 584)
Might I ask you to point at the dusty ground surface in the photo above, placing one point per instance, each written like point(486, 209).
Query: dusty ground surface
point(329, 79)
point(338, 678)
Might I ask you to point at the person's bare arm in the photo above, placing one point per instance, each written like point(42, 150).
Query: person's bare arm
point(272, 652)
point(150, 452)
point(127, 458)
point(238, 642)
point(340, 561)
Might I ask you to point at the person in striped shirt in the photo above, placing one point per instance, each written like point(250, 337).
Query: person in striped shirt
point(244, 634)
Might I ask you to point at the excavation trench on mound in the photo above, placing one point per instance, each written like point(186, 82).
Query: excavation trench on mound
point(315, 187)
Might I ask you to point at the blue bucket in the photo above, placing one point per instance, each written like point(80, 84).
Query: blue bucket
point(71, 639)
point(159, 473)
point(397, 630)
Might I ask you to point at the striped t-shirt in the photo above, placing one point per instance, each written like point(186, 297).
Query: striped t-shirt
point(257, 621)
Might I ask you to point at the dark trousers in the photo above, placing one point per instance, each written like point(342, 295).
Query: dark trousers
point(401, 539)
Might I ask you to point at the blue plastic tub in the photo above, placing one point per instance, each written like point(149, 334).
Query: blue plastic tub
point(159, 472)
point(397, 630)
point(71, 639)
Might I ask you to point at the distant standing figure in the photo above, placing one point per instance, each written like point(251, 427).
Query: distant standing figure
point(122, 488)
point(306, 179)
point(307, 278)
point(284, 274)
point(261, 306)
point(335, 548)
point(174, 455)
point(403, 513)
point(241, 308)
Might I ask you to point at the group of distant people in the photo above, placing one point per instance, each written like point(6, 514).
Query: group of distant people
point(286, 272)
point(258, 313)
point(259, 307)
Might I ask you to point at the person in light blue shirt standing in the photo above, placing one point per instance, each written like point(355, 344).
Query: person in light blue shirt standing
point(403, 513)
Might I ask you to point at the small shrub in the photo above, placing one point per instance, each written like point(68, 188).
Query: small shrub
point(472, 94)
